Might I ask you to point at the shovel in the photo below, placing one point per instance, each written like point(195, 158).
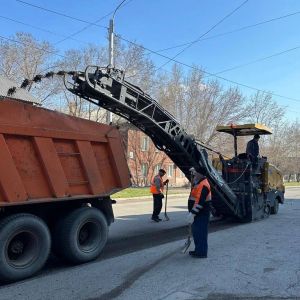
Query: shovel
point(188, 241)
point(166, 202)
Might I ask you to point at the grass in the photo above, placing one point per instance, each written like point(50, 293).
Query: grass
point(292, 183)
point(144, 191)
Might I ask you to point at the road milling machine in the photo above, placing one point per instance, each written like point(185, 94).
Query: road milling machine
point(241, 191)
point(258, 182)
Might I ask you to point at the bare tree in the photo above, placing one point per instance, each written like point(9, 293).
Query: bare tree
point(288, 159)
point(200, 106)
point(26, 58)
point(138, 67)
point(78, 60)
point(263, 109)
point(130, 58)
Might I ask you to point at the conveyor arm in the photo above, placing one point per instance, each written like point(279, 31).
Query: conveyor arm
point(106, 87)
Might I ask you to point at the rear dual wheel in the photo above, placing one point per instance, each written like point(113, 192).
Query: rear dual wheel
point(25, 244)
point(81, 235)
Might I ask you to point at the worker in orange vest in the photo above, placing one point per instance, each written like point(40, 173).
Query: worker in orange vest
point(157, 189)
point(199, 206)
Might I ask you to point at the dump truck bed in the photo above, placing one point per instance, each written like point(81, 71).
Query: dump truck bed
point(47, 156)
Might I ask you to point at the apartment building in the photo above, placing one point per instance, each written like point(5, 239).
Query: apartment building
point(144, 160)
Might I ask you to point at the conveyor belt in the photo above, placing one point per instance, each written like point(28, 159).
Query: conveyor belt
point(107, 88)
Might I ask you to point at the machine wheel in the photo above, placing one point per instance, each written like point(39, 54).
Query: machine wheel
point(25, 244)
point(275, 208)
point(267, 211)
point(80, 236)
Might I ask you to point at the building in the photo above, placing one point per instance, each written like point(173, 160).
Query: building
point(144, 159)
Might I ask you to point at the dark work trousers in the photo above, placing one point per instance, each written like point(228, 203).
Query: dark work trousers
point(200, 233)
point(157, 204)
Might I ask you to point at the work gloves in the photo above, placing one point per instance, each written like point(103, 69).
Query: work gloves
point(166, 181)
point(190, 218)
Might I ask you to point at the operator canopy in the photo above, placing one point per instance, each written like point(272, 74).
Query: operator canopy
point(245, 129)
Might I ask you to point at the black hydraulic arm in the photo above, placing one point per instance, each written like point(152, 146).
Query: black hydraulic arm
point(106, 87)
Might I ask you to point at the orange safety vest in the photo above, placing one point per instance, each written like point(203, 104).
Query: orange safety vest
point(153, 189)
point(197, 190)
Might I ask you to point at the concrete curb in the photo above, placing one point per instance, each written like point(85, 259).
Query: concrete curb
point(148, 197)
point(292, 187)
point(173, 195)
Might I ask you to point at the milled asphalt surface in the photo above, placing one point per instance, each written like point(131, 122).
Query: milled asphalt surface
point(260, 260)
point(133, 216)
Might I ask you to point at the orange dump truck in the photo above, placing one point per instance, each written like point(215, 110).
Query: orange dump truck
point(57, 173)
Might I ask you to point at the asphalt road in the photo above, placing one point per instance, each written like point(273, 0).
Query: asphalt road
point(137, 245)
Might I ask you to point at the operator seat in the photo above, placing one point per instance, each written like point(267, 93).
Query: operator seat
point(243, 156)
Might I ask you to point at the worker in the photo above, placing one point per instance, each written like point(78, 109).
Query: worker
point(252, 149)
point(199, 205)
point(157, 189)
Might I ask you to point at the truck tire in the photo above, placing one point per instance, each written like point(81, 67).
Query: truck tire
point(81, 235)
point(275, 208)
point(25, 244)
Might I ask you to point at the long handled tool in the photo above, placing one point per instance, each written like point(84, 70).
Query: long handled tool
point(188, 241)
point(189, 237)
point(166, 203)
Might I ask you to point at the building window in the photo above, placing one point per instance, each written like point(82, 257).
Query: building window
point(170, 170)
point(145, 143)
point(157, 168)
point(130, 154)
point(144, 169)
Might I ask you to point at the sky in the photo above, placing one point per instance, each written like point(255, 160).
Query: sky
point(160, 24)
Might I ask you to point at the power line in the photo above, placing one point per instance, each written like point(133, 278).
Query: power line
point(79, 31)
point(61, 14)
point(89, 24)
point(205, 33)
point(39, 28)
point(201, 39)
point(209, 73)
point(173, 59)
point(26, 44)
point(176, 61)
point(52, 52)
point(233, 31)
point(223, 71)
point(257, 60)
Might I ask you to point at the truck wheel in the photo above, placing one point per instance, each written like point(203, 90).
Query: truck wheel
point(81, 235)
point(275, 208)
point(25, 244)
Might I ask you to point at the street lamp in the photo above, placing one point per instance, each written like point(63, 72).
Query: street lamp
point(111, 51)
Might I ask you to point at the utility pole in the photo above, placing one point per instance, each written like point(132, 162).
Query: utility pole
point(111, 51)
point(111, 59)
point(111, 42)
